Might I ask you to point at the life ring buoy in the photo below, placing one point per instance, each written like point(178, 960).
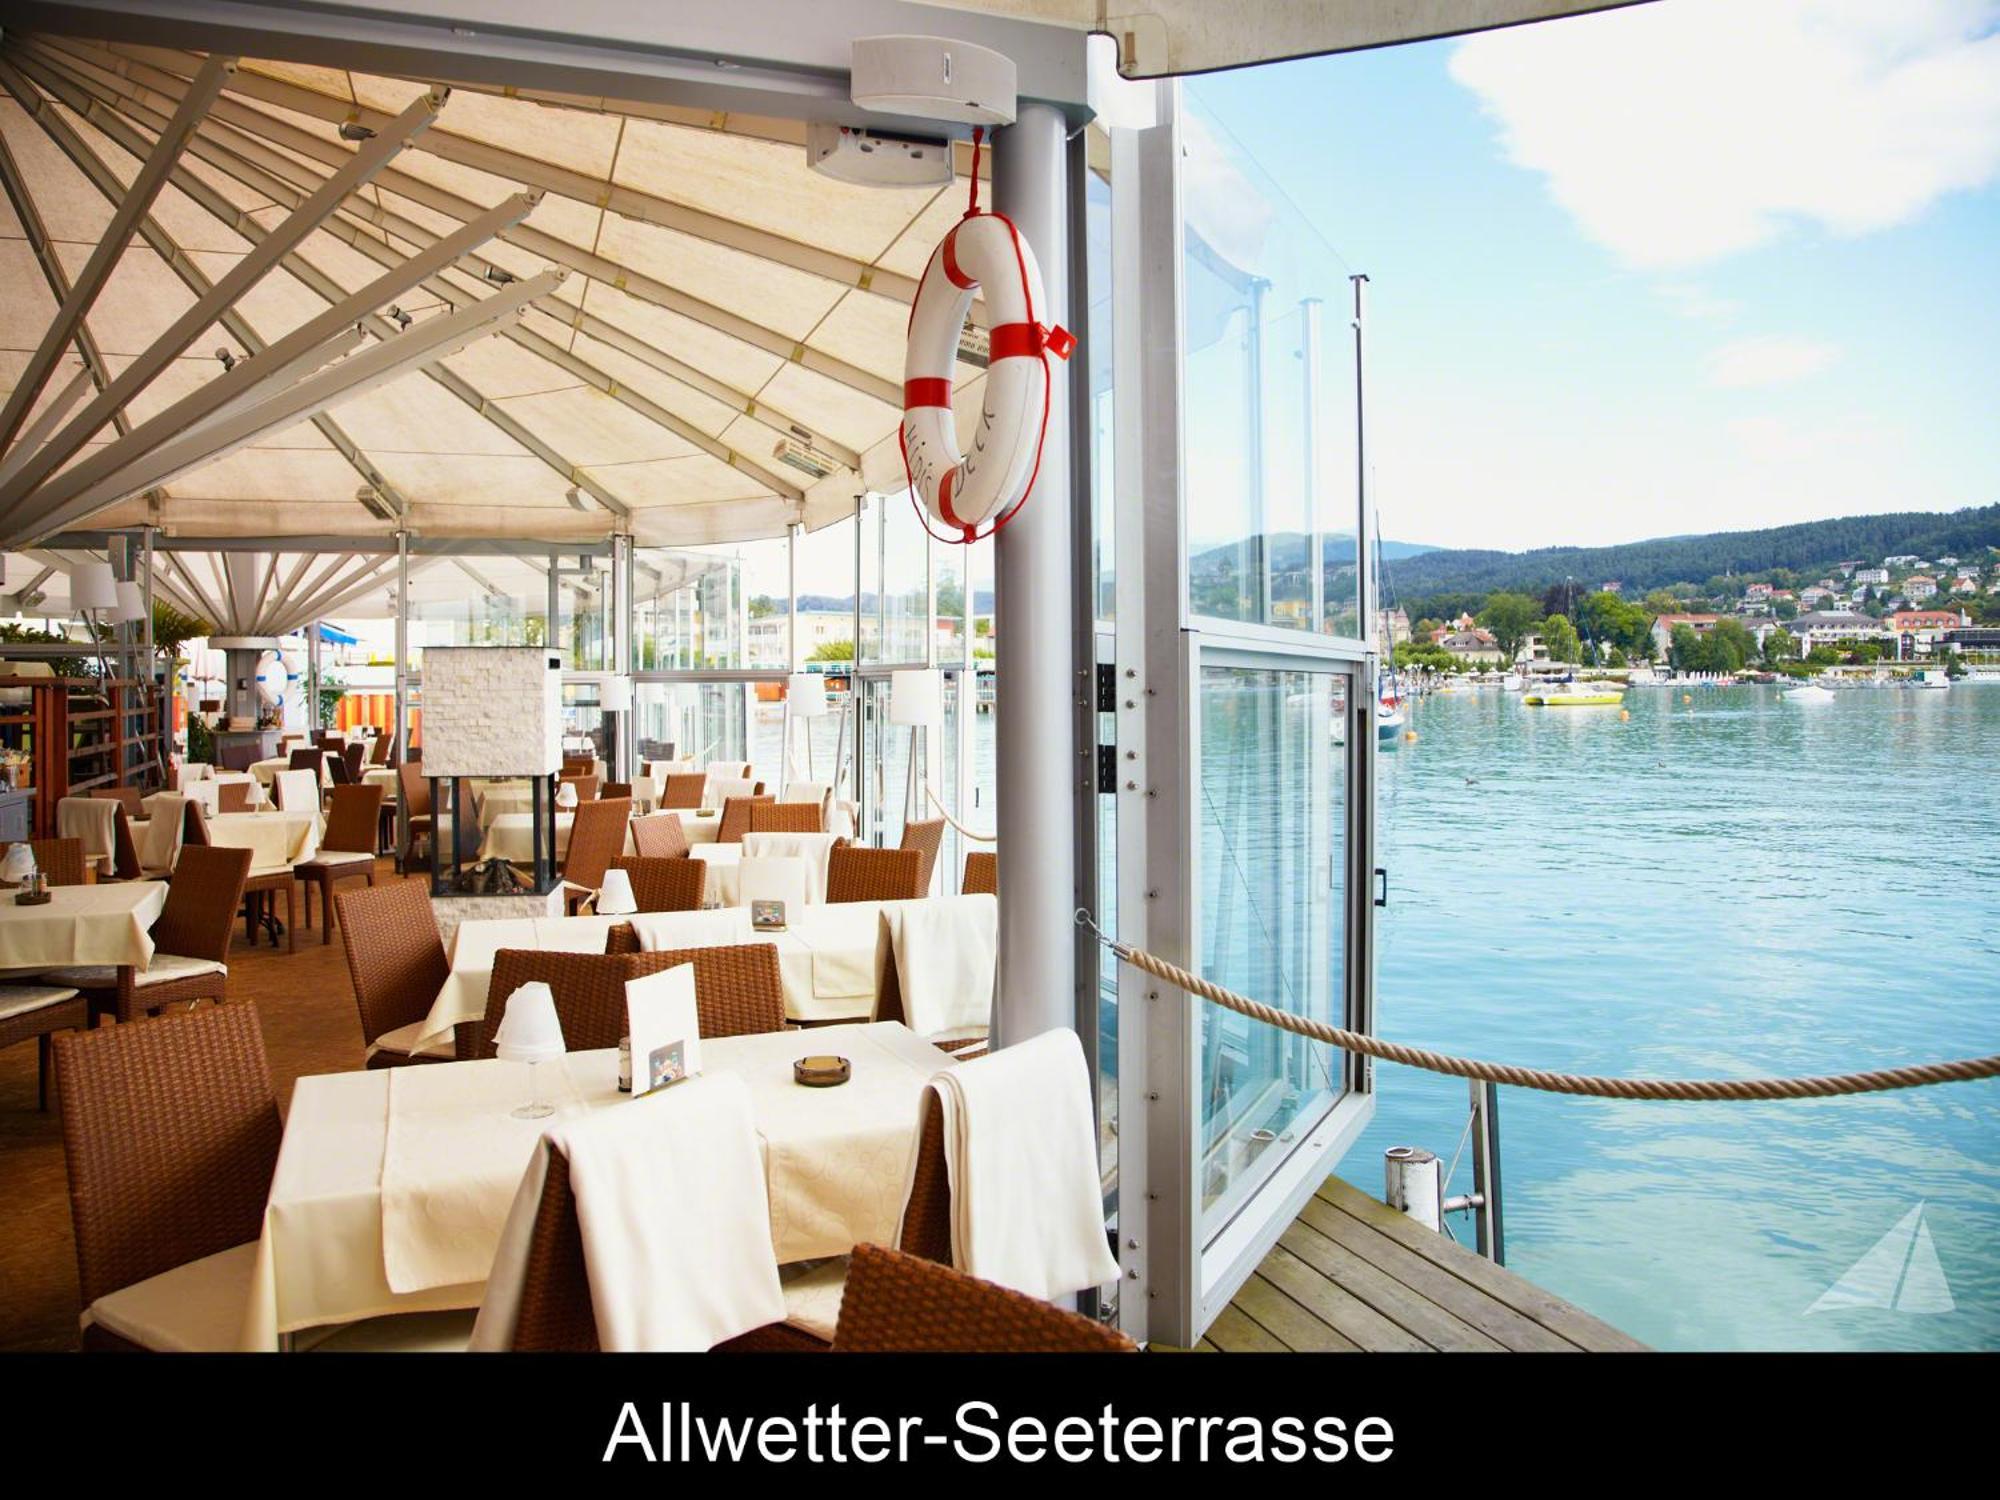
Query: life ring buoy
point(966, 491)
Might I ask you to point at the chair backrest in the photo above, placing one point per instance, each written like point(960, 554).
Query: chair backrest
point(232, 796)
point(353, 820)
point(395, 954)
point(982, 873)
point(171, 1132)
point(904, 1304)
point(736, 818)
point(579, 765)
point(738, 989)
point(351, 756)
point(384, 743)
point(664, 884)
point(307, 758)
point(194, 830)
point(589, 990)
point(60, 860)
point(124, 848)
point(297, 790)
point(596, 837)
point(927, 1211)
point(556, 1315)
point(683, 790)
point(784, 817)
point(126, 797)
point(926, 838)
point(415, 788)
point(814, 792)
point(320, 736)
point(586, 786)
point(239, 757)
point(855, 873)
point(621, 937)
point(722, 787)
point(202, 901)
point(337, 772)
point(660, 836)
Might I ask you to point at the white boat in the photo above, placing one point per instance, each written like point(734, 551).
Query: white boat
point(1812, 692)
point(1931, 677)
point(1511, 682)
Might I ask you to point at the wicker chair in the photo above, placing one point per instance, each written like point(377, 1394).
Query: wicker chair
point(40, 1011)
point(926, 838)
point(347, 852)
point(586, 786)
point(784, 817)
point(396, 958)
point(171, 1132)
point(982, 874)
point(352, 756)
point(232, 797)
point(385, 746)
point(416, 795)
point(589, 990)
point(596, 837)
point(904, 1304)
point(126, 797)
point(611, 791)
point(190, 942)
point(307, 758)
point(664, 884)
point(61, 860)
point(737, 989)
point(124, 849)
point(684, 790)
point(621, 937)
point(195, 831)
point(854, 873)
point(660, 836)
point(258, 887)
point(238, 757)
point(337, 772)
point(736, 818)
point(579, 765)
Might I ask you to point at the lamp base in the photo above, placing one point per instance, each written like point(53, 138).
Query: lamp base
point(533, 1112)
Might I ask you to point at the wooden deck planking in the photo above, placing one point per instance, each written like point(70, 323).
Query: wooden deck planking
point(1354, 1275)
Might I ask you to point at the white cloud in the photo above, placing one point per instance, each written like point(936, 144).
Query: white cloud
point(1770, 359)
point(1697, 303)
point(1679, 132)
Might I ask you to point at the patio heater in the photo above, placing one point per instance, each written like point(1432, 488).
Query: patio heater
point(805, 700)
point(916, 699)
point(614, 698)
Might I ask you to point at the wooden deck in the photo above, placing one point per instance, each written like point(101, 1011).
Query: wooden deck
point(1352, 1275)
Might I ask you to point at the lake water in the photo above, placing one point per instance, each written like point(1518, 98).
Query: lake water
point(1724, 887)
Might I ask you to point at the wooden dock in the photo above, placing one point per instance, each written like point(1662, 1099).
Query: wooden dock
point(1352, 1275)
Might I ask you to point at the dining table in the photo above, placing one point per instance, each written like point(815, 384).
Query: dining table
point(82, 924)
point(273, 838)
point(392, 1185)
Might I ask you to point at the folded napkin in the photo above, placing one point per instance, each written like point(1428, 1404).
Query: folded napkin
point(676, 1226)
point(1020, 1144)
point(945, 949)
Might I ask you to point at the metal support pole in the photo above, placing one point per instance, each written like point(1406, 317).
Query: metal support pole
point(1364, 530)
point(1309, 320)
point(400, 728)
point(1034, 696)
point(1486, 1215)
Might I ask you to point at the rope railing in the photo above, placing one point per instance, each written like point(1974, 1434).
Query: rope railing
point(971, 833)
point(1822, 1086)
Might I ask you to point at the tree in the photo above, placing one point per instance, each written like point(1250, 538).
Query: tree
point(1730, 646)
point(1510, 617)
point(1780, 645)
point(762, 606)
point(1685, 650)
point(832, 651)
point(1560, 638)
point(1661, 602)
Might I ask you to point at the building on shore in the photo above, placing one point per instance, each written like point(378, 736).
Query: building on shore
point(1665, 625)
point(1920, 631)
point(1835, 628)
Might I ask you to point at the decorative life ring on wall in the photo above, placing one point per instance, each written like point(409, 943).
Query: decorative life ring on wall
point(966, 491)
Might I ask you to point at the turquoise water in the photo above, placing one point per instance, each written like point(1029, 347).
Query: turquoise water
point(1726, 887)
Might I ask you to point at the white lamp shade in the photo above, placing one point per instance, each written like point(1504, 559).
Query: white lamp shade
point(131, 603)
point(92, 585)
point(614, 897)
point(916, 697)
point(19, 863)
point(566, 795)
point(805, 695)
point(530, 1031)
point(614, 695)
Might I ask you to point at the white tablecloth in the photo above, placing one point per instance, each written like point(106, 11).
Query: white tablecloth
point(273, 838)
point(473, 945)
point(264, 770)
point(83, 924)
point(511, 836)
point(370, 1194)
point(91, 821)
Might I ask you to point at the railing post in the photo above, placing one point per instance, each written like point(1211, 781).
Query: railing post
point(1486, 1215)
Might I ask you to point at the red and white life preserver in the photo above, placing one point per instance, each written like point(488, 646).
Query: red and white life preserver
point(986, 484)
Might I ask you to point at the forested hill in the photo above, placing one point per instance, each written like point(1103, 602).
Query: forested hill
point(1811, 546)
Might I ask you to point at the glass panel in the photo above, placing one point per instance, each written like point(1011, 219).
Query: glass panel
point(583, 595)
point(691, 605)
point(1099, 349)
point(700, 720)
point(895, 582)
point(479, 601)
point(1272, 788)
point(1268, 424)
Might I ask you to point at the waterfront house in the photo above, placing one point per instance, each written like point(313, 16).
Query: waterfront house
point(1665, 625)
point(1835, 628)
point(1920, 630)
point(1474, 645)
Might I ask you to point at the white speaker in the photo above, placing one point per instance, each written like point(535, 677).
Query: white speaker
point(934, 78)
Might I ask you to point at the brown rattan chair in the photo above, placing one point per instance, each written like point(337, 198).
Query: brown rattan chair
point(238, 757)
point(40, 1011)
point(351, 756)
point(586, 786)
point(556, 1315)
point(307, 758)
point(982, 874)
point(61, 860)
point(416, 795)
point(660, 836)
point(190, 942)
point(855, 873)
point(232, 796)
point(171, 1133)
point(926, 838)
point(611, 791)
point(736, 817)
point(126, 797)
point(621, 938)
point(258, 889)
point(396, 958)
point(784, 817)
point(737, 989)
point(683, 790)
point(380, 753)
point(124, 849)
point(346, 853)
point(578, 765)
point(904, 1304)
point(589, 990)
point(195, 830)
point(337, 772)
point(664, 884)
point(596, 837)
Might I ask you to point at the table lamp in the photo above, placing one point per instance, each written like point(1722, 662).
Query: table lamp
point(614, 897)
point(916, 698)
point(19, 865)
point(566, 796)
point(93, 589)
point(131, 604)
point(805, 700)
point(530, 1032)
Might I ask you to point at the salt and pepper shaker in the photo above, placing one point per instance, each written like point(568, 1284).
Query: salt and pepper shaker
point(624, 1065)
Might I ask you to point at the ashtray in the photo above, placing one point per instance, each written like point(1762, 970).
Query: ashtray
point(822, 1072)
point(29, 898)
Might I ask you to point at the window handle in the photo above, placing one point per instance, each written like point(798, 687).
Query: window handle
point(1381, 886)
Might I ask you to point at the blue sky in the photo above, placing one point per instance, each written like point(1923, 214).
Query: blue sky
point(1698, 265)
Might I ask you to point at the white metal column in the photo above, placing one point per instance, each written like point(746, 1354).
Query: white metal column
point(1034, 693)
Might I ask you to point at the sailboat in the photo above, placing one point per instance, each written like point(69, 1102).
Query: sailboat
point(1900, 1271)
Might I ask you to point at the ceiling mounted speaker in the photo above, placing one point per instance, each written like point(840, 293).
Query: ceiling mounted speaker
point(874, 158)
point(934, 78)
